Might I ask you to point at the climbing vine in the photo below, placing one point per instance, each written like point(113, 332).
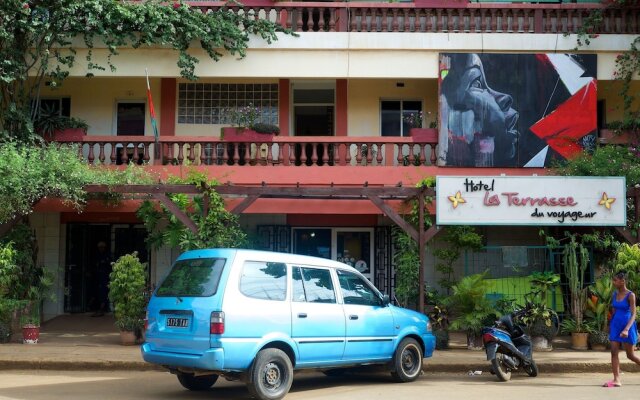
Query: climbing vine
point(406, 256)
point(39, 41)
point(627, 64)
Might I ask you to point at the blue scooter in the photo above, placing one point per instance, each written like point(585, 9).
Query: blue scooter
point(508, 348)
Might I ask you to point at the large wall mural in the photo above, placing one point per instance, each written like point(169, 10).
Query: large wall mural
point(515, 110)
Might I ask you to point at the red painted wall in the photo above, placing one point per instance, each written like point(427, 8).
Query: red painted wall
point(332, 220)
point(168, 98)
point(283, 106)
point(341, 107)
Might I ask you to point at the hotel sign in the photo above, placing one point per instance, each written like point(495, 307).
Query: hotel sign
point(531, 200)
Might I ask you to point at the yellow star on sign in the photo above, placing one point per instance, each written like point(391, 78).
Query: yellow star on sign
point(457, 199)
point(606, 201)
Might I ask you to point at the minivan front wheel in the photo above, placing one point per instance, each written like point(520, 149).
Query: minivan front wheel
point(196, 383)
point(271, 375)
point(407, 361)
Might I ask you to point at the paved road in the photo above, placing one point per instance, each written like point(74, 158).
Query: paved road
point(51, 385)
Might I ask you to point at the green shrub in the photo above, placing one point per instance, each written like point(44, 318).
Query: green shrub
point(471, 308)
point(261, 127)
point(127, 291)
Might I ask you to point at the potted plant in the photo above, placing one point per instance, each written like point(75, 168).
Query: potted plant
point(471, 308)
point(439, 317)
point(24, 284)
point(537, 320)
point(31, 313)
point(416, 129)
point(538, 317)
point(626, 131)
point(438, 314)
point(53, 126)
point(127, 293)
point(247, 126)
point(575, 260)
point(597, 308)
point(31, 328)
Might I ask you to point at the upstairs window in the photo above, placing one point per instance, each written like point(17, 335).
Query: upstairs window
point(393, 113)
point(208, 103)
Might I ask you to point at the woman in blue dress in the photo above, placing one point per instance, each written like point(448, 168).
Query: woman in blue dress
point(622, 328)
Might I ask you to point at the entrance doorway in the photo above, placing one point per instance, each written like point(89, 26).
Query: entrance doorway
point(313, 115)
point(352, 246)
point(82, 254)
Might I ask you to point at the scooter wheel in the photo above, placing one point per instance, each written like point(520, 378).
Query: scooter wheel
point(531, 369)
point(502, 371)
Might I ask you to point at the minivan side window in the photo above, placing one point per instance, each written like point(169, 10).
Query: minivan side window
point(312, 285)
point(264, 280)
point(355, 290)
point(194, 277)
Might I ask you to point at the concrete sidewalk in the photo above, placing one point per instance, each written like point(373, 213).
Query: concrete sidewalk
point(84, 343)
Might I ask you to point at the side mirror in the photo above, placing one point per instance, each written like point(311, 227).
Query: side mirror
point(385, 300)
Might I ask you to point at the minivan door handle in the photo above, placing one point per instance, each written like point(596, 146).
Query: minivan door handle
point(302, 315)
point(353, 317)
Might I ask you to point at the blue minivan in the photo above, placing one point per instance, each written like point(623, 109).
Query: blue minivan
point(257, 316)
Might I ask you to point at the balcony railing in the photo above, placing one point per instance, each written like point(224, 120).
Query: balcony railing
point(282, 151)
point(452, 16)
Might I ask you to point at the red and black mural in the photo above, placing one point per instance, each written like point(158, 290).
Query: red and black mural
point(515, 110)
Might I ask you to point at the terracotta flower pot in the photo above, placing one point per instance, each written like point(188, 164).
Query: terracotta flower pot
point(127, 338)
point(245, 135)
point(580, 341)
point(68, 135)
point(424, 134)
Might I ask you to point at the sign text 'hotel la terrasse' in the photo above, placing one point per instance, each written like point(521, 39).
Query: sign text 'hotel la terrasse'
point(530, 200)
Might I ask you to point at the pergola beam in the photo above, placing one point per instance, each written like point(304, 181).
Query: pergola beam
point(171, 206)
point(244, 204)
point(395, 217)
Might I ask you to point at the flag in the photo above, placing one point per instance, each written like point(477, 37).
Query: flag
point(154, 123)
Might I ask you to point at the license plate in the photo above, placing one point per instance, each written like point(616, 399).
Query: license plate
point(178, 322)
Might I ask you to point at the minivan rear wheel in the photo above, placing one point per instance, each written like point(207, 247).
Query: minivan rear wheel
point(407, 361)
point(196, 383)
point(271, 375)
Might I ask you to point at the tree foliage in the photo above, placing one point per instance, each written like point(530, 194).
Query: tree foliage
point(604, 161)
point(38, 42)
point(627, 64)
point(456, 239)
point(31, 173)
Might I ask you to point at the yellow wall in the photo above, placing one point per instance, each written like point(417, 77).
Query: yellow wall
point(353, 55)
point(94, 99)
point(364, 96)
point(609, 91)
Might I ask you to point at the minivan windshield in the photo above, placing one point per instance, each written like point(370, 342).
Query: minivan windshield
point(197, 277)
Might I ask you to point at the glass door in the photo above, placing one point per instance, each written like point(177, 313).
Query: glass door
point(353, 246)
point(314, 242)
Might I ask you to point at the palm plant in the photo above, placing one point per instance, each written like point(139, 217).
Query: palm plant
point(470, 305)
